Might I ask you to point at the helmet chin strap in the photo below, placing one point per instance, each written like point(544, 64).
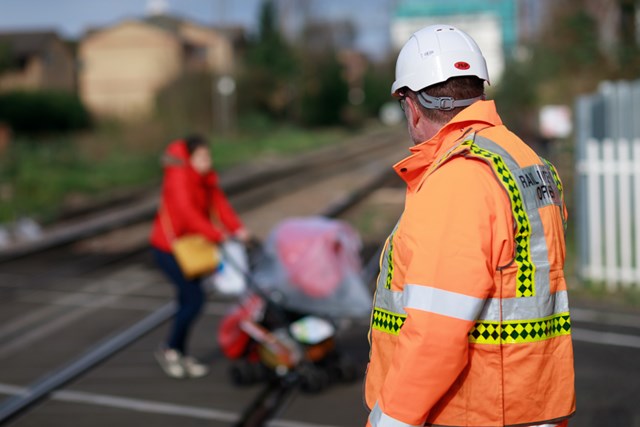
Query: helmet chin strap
point(445, 102)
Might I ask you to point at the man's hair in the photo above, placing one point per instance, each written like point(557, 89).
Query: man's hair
point(456, 87)
point(194, 141)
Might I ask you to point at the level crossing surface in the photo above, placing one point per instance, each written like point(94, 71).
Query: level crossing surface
point(130, 390)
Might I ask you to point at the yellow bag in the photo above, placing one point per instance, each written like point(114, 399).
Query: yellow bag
point(195, 255)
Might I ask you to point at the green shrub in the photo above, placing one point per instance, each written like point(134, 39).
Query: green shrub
point(40, 112)
point(324, 93)
point(377, 85)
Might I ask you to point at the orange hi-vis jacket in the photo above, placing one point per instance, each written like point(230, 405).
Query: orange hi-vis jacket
point(470, 325)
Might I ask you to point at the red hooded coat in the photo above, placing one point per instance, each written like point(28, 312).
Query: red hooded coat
point(190, 203)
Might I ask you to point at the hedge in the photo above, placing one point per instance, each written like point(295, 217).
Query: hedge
point(38, 112)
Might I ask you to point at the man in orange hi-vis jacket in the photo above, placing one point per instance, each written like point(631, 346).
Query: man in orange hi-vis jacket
point(470, 325)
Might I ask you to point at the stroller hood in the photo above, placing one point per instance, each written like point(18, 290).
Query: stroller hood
point(312, 265)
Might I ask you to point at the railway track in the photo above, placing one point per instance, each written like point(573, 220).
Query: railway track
point(82, 310)
point(249, 186)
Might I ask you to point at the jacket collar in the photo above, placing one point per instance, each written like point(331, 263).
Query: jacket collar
point(479, 115)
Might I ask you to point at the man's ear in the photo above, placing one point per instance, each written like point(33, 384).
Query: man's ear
point(414, 111)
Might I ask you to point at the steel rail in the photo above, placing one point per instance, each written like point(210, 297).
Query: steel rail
point(90, 359)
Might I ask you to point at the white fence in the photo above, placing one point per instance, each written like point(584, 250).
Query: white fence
point(611, 170)
point(608, 185)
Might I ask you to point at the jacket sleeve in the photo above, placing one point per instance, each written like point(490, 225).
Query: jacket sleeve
point(224, 211)
point(187, 219)
point(450, 232)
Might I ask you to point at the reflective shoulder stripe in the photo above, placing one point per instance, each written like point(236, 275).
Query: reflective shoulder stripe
point(389, 275)
point(377, 418)
point(386, 262)
point(520, 331)
point(438, 301)
point(525, 286)
point(554, 172)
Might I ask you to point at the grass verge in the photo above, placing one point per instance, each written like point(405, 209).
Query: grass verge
point(40, 178)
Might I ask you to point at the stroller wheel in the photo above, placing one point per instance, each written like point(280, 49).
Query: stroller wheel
point(313, 379)
point(246, 373)
point(344, 369)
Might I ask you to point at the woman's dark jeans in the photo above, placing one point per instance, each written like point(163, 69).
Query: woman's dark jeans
point(190, 299)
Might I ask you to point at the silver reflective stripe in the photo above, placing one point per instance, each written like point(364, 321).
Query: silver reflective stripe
point(539, 253)
point(438, 301)
point(525, 308)
point(490, 309)
point(389, 300)
point(377, 418)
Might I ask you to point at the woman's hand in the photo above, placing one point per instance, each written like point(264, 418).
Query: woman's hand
point(243, 235)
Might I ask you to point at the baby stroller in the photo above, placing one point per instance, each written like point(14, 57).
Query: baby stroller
point(303, 283)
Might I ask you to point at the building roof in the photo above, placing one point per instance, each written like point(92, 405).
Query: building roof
point(27, 43)
point(172, 23)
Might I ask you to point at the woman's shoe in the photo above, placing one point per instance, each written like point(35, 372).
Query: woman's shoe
point(193, 368)
point(171, 362)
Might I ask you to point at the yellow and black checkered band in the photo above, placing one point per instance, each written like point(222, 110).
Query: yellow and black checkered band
point(522, 331)
point(526, 269)
point(387, 282)
point(387, 321)
point(554, 173)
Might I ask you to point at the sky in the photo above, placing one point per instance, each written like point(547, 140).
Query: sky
point(72, 18)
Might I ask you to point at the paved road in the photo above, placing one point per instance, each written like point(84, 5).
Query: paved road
point(129, 389)
point(607, 368)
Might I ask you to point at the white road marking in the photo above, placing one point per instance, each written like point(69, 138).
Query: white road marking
point(609, 319)
point(118, 283)
point(605, 338)
point(126, 302)
point(83, 308)
point(149, 406)
point(605, 317)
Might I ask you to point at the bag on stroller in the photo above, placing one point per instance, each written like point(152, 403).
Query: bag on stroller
point(305, 281)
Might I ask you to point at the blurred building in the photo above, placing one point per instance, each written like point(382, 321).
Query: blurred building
point(37, 60)
point(492, 24)
point(123, 67)
point(532, 16)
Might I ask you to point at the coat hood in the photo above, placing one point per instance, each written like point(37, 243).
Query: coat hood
point(177, 155)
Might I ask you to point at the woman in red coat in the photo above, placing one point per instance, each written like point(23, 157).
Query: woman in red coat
point(192, 202)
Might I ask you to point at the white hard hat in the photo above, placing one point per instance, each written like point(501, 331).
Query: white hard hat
point(436, 53)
